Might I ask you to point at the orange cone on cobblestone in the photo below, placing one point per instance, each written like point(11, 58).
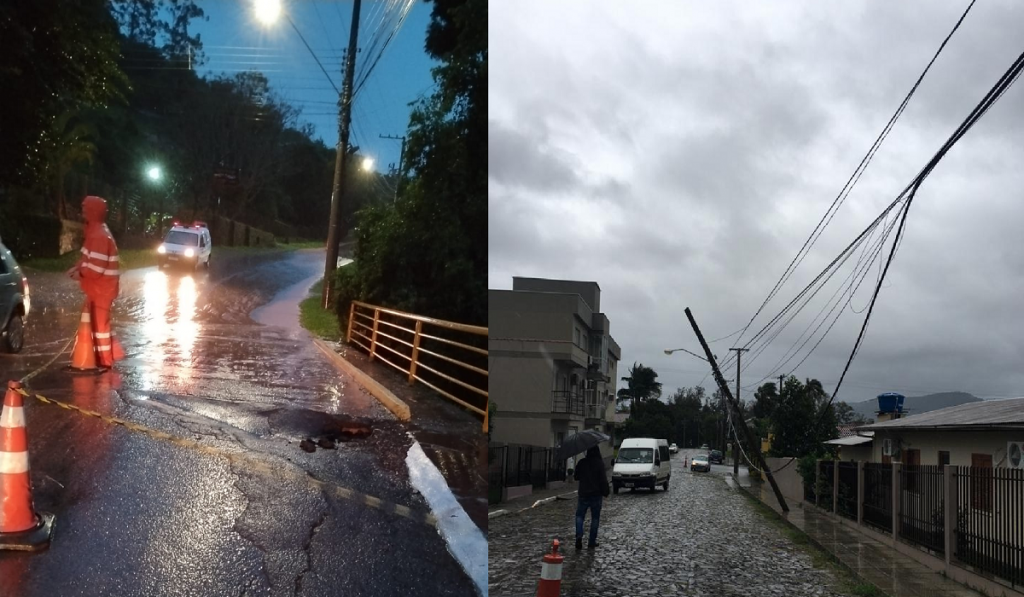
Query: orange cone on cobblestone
point(21, 528)
point(550, 584)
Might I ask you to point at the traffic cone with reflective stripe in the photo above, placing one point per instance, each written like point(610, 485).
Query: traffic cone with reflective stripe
point(83, 356)
point(550, 584)
point(21, 528)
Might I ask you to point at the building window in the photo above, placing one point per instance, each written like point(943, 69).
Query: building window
point(576, 340)
point(943, 458)
point(981, 482)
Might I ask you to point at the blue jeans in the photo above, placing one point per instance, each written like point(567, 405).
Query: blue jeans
point(594, 504)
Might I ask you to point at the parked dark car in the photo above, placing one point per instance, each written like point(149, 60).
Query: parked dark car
point(14, 303)
point(716, 457)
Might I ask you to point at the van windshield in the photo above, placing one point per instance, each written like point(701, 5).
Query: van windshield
point(635, 455)
point(177, 237)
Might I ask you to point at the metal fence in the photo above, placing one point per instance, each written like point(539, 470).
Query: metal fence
point(922, 506)
point(516, 466)
point(878, 495)
point(847, 502)
point(826, 468)
point(989, 532)
point(448, 357)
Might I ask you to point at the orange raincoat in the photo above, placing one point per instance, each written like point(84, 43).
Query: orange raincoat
point(99, 277)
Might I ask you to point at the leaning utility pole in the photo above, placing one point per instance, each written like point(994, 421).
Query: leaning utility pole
point(340, 159)
point(739, 414)
point(401, 160)
point(735, 436)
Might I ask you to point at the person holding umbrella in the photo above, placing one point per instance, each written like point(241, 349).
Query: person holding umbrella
point(593, 481)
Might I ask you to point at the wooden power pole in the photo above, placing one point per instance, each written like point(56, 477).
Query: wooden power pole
point(739, 414)
point(735, 436)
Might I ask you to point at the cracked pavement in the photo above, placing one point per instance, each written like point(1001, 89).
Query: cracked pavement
point(140, 516)
point(698, 538)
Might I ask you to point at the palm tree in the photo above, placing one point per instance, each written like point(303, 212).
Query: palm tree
point(641, 384)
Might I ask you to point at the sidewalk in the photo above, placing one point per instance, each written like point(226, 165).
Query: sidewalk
point(869, 559)
point(567, 491)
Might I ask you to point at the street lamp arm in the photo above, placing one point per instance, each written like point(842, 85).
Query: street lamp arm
point(671, 350)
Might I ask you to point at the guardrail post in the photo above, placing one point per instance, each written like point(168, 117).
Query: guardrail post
point(860, 492)
point(351, 318)
point(897, 490)
point(373, 339)
point(835, 487)
point(949, 516)
point(415, 352)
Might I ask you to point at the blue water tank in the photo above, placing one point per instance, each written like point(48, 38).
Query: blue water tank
point(890, 402)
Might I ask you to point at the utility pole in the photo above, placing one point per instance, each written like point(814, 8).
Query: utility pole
point(401, 160)
point(735, 436)
point(739, 414)
point(341, 158)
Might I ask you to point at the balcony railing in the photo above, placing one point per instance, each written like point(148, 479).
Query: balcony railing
point(567, 402)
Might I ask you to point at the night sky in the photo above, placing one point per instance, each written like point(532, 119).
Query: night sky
point(235, 41)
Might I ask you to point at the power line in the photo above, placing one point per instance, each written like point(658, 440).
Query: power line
point(854, 178)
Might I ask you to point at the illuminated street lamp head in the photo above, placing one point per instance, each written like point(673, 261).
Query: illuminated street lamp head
point(367, 164)
point(267, 11)
point(153, 172)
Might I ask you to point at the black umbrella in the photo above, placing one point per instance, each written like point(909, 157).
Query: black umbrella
point(579, 442)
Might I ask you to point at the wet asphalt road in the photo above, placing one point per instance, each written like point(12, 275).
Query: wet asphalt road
point(137, 515)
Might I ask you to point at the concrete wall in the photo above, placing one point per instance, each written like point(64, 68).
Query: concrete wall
point(588, 291)
point(512, 429)
point(791, 484)
point(959, 444)
point(521, 384)
point(531, 315)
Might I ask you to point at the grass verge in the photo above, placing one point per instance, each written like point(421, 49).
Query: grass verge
point(128, 259)
point(848, 583)
point(319, 321)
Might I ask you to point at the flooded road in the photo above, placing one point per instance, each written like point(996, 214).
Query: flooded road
point(239, 506)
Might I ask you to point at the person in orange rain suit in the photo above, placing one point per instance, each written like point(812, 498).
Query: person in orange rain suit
point(98, 274)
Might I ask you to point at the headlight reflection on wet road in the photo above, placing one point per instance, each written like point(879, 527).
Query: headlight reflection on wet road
point(170, 328)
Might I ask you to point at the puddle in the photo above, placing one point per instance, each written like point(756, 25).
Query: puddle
point(283, 309)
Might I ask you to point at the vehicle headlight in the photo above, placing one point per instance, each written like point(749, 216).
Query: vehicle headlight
point(161, 249)
point(189, 253)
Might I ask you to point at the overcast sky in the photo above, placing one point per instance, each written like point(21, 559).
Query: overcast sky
point(679, 155)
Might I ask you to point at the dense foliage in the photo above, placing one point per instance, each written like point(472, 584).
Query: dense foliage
point(428, 253)
point(101, 91)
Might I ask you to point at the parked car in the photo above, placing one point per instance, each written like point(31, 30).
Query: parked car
point(190, 246)
point(716, 457)
point(700, 463)
point(704, 447)
point(673, 449)
point(14, 302)
point(642, 462)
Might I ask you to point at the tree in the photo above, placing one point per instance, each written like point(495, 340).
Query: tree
point(56, 57)
point(641, 384)
point(428, 253)
point(802, 420)
point(845, 415)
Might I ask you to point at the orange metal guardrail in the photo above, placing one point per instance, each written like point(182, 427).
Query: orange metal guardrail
point(412, 339)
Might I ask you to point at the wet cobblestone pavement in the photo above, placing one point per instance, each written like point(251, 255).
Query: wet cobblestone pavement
point(698, 538)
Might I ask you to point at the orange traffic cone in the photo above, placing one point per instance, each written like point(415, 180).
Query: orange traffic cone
point(83, 356)
point(550, 584)
point(21, 528)
point(116, 350)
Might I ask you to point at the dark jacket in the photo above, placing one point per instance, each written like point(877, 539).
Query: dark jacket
point(590, 472)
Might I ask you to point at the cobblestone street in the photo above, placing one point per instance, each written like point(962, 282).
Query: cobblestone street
point(698, 538)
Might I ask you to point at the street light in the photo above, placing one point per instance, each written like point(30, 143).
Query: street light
point(267, 11)
point(154, 174)
point(671, 350)
point(367, 164)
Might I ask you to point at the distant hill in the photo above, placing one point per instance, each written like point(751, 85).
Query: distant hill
point(918, 404)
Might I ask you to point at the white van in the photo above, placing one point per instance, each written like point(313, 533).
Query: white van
point(642, 462)
point(186, 245)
